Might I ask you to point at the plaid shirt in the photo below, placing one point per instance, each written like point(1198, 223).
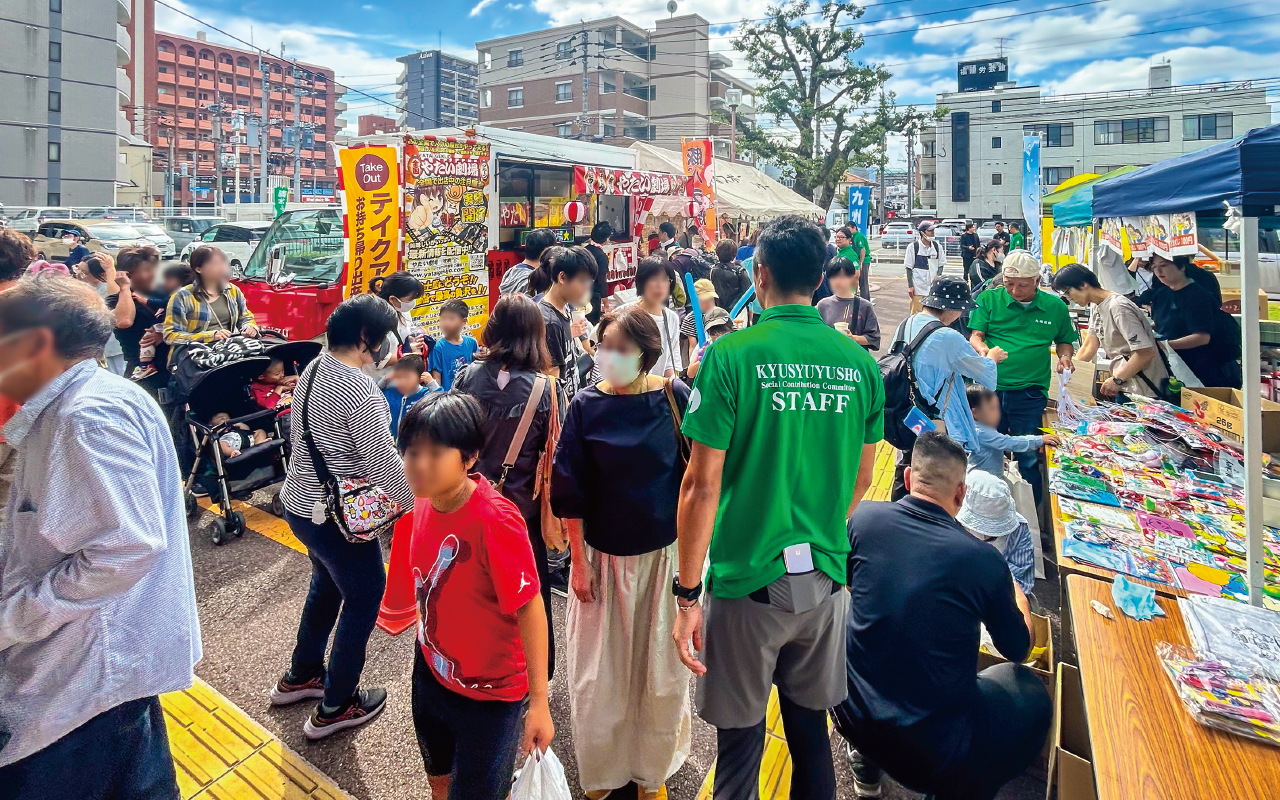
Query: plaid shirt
point(188, 319)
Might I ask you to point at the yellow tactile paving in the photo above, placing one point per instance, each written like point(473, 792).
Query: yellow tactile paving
point(775, 767)
point(220, 753)
point(263, 522)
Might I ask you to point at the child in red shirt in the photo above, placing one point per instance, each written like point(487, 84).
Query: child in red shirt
point(482, 632)
point(273, 389)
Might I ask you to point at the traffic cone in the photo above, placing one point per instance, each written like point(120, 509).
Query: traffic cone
point(399, 611)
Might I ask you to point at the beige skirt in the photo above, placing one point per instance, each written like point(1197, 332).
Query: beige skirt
point(628, 691)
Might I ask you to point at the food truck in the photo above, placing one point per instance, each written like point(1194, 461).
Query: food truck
point(453, 209)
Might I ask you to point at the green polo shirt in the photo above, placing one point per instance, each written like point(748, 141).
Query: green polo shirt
point(1024, 332)
point(792, 402)
point(860, 243)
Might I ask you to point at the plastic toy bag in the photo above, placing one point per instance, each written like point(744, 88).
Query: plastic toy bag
point(1222, 696)
point(1070, 412)
point(1239, 634)
point(541, 778)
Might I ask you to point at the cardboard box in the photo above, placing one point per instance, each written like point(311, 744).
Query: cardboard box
point(1223, 409)
point(1231, 302)
point(1071, 754)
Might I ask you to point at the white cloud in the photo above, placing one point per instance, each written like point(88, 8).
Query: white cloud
point(481, 6)
point(514, 6)
point(1190, 65)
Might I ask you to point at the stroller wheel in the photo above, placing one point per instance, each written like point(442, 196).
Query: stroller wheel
point(235, 526)
point(219, 533)
point(277, 505)
point(192, 504)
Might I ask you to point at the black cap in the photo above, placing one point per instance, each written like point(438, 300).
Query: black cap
point(948, 292)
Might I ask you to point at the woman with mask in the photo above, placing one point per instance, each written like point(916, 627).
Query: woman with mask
point(984, 266)
point(655, 281)
point(350, 424)
point(616, 482)
point(401, 291)
point(211, 309)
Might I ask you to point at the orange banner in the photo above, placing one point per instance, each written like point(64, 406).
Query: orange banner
point(369, 178)
point(699, 167)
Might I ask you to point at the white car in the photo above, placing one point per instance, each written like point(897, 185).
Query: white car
point(156, 235)
point(29, 220)
point(237, 239)
point(897, 234)
point(987, 230)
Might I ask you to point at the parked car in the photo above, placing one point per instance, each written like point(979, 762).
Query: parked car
point(185, 230)
point(125, 213)
point(237, 239)
point(897, 234)
point(32, 218)
point(100, 236)
point(956, 223)
point(156, 235)
point(986, 230)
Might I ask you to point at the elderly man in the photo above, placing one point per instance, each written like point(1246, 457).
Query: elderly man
point(920, 586)
point(97, 602)
point(1023, 321)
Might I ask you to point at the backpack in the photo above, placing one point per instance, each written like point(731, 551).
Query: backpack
point(900, 391)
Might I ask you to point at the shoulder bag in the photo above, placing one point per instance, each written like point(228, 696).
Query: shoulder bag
point(522, 430)
point(361, 509)
point(683, 449)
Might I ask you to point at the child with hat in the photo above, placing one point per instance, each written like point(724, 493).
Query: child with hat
point(988, 514)
point(707, 297)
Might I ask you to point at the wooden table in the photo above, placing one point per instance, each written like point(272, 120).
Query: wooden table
point(1145, 744)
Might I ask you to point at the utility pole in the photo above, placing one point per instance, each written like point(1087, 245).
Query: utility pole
point(911, 171)
point(170, 199)
point(586, 82)
point(262, 165)
point(297, 136)
point(215, 112)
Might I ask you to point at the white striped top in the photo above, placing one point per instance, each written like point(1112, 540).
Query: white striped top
point(351, 426)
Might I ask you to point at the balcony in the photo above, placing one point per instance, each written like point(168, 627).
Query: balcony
point(189, 83)
point(339, 107)
point(320, 137)
point(342, 123)
point(123, 128)
point(186, 102)
point(167, 57)
point(277, 96)
point(167, 99)
point(162, 142)
point(244, 72)
point(169, 77)
point(124, 46)
point(206, 146)
point(204, 125)
point(122, 86)
point(187, 61)
point(206, 84)
point(185, 122)
point(123, 12)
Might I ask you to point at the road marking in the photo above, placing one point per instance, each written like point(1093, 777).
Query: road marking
point(263, 522)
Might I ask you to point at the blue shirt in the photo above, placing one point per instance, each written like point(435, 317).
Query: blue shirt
point(400, 405)
point(1020, 555)
point(940, 364)
point(78, 253)
point(986, 451)
point(447, 357)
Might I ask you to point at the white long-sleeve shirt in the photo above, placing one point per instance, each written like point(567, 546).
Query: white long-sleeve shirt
point(921, 279)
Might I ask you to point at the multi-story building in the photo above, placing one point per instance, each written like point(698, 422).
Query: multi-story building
point(198, 102)
point(657, 85)
point(970, 164)
point(370, 124)
point(437, 90)
point(62, 87)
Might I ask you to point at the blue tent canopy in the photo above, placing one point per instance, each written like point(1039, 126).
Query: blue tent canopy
point(1244, 172)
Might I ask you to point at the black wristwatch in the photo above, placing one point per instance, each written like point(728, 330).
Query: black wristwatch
point(682, 593)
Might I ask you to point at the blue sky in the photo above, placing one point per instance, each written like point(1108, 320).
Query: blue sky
point(1066, 46)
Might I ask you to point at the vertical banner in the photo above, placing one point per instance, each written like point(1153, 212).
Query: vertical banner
point(369, 179)
point(701, 188)
point(446, 205)
point(859, 206)
point(1031, 191)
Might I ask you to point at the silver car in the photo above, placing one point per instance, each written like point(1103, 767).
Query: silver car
point(185, 230)
point(897, 235)
point(29, 220)
point(156, 235)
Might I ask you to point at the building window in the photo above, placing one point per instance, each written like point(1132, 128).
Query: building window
point(55, 151)
point(610, 130)
point(1052, 176)
point(55, 51)
point(564, 130)
point(995, 106)
point(929, 181)
point(55, 198)
point(515, 98)
point(930, 149)
point(564, 92)
point(486, 98)
point(1131, 131)
point(997, 179)
point(995, 142)
point(606, 87)
point(1206, 126)
point(515, 58)
point(1053, 135)
point(55, 101)
point(564, 50)
point(56, 7)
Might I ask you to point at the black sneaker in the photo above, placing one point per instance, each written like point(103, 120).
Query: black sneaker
point(291, 690)
point(363, 706)
point(866, 775)
point(558, 577)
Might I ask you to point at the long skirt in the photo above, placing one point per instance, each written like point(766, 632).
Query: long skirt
point(628, 691)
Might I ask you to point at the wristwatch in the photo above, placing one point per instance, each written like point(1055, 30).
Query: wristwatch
point(682, 593)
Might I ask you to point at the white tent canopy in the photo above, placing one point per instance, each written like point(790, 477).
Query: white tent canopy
point(742, 191)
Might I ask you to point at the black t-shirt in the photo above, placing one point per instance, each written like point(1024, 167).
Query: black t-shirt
point(920, 585)
point(601, 287)
point(1003, 236)
point(1192, 309)
point(968, 240)
point(618, 469)
point(147, 314)
point(560, 344)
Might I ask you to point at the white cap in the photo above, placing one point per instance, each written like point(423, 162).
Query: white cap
point(1021, 264)
point(988, 508)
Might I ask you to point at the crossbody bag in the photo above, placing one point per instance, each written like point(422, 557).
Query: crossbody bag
point(683, 449)
point(522, 430)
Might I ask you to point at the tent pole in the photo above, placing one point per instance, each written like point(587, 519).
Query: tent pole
point(1251, 363)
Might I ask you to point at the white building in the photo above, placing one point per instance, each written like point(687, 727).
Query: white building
point(971, 162)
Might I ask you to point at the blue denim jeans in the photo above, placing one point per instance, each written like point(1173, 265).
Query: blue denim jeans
point(122, 754)
point(347, 580)
point(1022, 413)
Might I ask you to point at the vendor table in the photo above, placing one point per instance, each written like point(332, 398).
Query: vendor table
point(1145, 744)
point(1069, 566)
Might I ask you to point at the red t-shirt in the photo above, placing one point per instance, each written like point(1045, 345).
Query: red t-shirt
point(472, 570)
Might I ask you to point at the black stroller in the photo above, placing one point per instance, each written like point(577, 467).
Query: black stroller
point(225, 389)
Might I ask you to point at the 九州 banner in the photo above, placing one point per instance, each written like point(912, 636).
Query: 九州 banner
point(369, 179)
point(606, 180)
point(859, 206)
point(699, 167)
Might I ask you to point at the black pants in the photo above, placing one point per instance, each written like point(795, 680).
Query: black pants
point(121, 754)
point(864, 281)
point(966, 755)
point(740, 750)
point(534, 524)
point(899, 489)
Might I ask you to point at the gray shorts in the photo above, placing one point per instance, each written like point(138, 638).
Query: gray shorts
point(749, 646)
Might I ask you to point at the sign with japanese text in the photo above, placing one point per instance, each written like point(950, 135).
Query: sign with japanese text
point(606, 180)
point(1164, 235)
point(514, 215)
point(699, 168)
point(446, 207)
point(369, 179)
point(980, 75)
point(859, 206)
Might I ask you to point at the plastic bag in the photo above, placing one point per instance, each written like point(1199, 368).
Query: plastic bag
point(1070, 413)
point(541, 778)
point(1222, 696)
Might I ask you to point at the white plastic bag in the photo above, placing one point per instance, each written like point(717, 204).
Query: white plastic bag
point(541, 778)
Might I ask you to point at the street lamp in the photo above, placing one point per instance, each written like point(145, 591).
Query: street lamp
point(733, 99)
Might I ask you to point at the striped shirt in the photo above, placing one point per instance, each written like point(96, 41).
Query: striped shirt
point(351, 425)
point(1020, 554)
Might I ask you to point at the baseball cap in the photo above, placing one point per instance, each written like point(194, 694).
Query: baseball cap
point(714, 317)
point(705, 288)
point(1021, 264)
point(925, 226)
point(948, 292)
point(988, 508)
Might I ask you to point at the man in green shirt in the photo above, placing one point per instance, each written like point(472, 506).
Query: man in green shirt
point(1023, 321)
point(784, 418)
point(1016, 241)
point(863, 248)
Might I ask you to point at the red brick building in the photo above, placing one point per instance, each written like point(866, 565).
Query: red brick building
point(369, 124)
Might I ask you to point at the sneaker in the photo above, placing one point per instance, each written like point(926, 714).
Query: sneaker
point(142, 372)
point(866, 775)
point(559, 580)
point(363, 706)
point(291, 690)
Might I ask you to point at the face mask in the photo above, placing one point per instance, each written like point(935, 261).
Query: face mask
point(69, 241)
point(619, 369)
point(404, 307)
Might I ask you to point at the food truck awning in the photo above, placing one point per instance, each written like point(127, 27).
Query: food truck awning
point(742, 191)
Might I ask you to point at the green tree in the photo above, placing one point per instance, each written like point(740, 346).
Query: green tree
point(838, 107)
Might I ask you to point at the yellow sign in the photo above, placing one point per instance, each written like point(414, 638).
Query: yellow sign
point(369, 178)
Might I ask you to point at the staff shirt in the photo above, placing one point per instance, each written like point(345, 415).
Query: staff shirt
point(1025, 332)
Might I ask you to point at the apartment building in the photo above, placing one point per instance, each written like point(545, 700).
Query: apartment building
point(970, 164)
point(200, 104)
point(437, 90)
point(657, 85)
point(63, 86)
point(371, 124)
